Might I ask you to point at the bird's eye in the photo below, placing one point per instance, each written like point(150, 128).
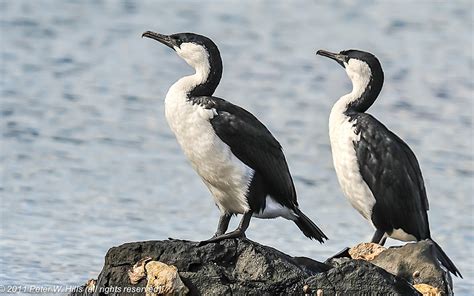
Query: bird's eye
point(177, 40)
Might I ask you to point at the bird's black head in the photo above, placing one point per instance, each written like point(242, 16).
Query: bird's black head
point(196, 50)
point(365, 72)
point(199, 52)
point(352, 60)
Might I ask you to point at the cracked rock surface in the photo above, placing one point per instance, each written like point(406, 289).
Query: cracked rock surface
point(243, 267)
point(359, 277)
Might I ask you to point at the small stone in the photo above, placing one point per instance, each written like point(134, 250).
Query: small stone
point(319, 292)
point(416, 274)
point(90, 285)
point(306, 289)
point(366, 251)
point(427, 290)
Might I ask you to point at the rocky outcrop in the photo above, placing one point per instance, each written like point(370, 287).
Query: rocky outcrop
point(240, 267)
point(417, 264)
point(358, 277)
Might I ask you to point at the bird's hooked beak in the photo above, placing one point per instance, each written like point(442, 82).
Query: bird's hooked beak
point(340, 58)
point(165, 39)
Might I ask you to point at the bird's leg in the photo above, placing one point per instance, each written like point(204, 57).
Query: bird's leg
point(379, 237)
point(239, 232)
point(224, 220)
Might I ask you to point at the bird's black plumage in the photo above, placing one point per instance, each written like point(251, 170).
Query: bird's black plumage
point(252, 143)
point(248, 139)
point(386, 164)
point(391, 170)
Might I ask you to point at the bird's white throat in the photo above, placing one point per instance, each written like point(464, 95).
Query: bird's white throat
point(342, 136)
point(360, 74)
point(198, 58)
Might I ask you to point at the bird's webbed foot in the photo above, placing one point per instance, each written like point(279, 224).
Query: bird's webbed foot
point(214, 239)
point(238, 233)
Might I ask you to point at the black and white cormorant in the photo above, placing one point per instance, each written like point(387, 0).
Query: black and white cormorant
point(377, 171)
point(235, 155)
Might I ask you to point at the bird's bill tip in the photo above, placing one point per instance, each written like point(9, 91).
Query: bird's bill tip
point(165, 39)
point(326, 53)
point(338, 57)
point(150, 34)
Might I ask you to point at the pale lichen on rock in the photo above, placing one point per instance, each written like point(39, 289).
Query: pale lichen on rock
point(163, 279)
point(428, 290)
point(138, 272)
point(91, 285)
point(366, 251)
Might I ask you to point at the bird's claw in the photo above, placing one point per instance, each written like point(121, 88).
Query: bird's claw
point(217, 238)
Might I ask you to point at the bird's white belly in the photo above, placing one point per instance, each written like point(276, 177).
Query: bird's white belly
point(274, 209)
point(224, 174)
point(342, 137)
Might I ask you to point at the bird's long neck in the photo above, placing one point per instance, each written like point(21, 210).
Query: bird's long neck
point(204, 82)
point(365, 90)
point(210, 76)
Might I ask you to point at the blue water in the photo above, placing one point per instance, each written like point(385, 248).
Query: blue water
point(88, 162)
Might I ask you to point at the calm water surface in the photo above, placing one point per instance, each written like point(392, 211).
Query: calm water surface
point(88, 162)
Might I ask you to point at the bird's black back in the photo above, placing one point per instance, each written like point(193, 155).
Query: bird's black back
point(393, 174)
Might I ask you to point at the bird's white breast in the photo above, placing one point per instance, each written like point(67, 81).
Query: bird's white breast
point(342, 136)
point(224, 174)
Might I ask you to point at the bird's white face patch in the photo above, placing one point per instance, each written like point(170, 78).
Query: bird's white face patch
point(360, 74)
point(195, 55)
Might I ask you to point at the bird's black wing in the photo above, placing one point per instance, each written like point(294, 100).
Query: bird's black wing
point(252, 143)
point(393, 174)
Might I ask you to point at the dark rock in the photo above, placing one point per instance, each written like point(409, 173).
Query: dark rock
point(338, 261)
point(359, 277)
point(238, 267)
point(417, 264)
point(243, 267)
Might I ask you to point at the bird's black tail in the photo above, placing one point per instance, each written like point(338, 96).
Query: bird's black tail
point(444, 259)
point(308, 227)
